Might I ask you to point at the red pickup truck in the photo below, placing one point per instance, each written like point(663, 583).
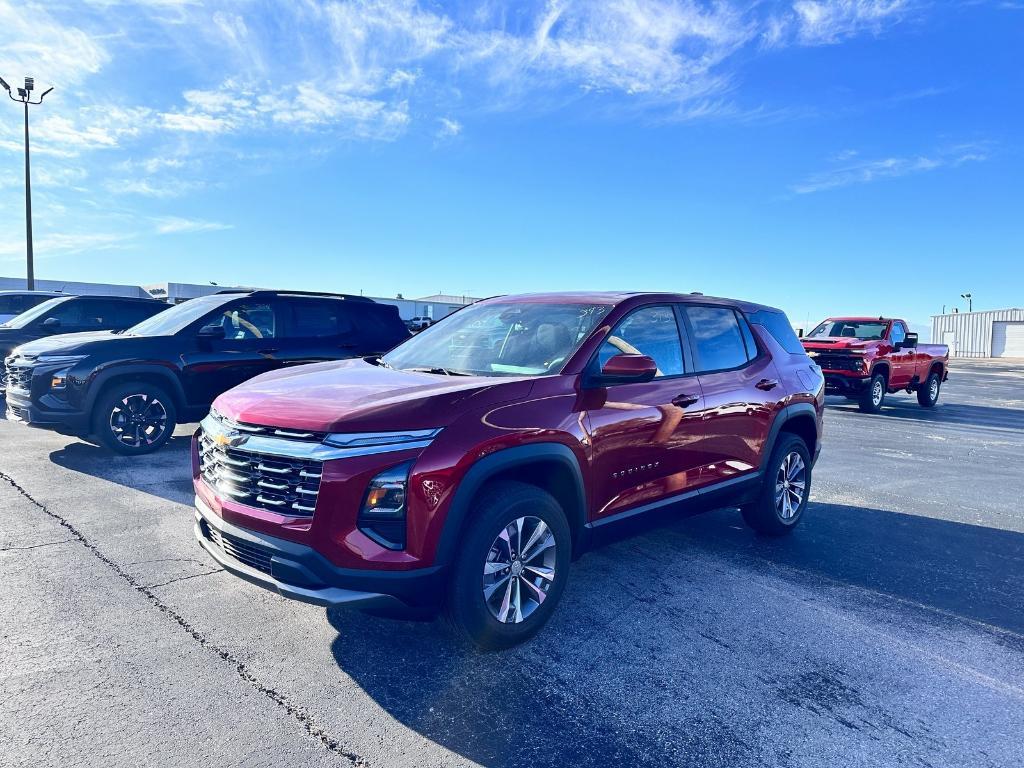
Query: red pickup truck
point(863, 358)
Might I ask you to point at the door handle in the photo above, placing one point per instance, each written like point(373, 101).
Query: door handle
point(767, 384)
point(684, 400)
point(269, 351)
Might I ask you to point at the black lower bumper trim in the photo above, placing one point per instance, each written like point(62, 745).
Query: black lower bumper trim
point(300, 573)
point(844, 385)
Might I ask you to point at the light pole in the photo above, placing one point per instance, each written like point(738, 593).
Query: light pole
point(25, 97)
point(968, 297)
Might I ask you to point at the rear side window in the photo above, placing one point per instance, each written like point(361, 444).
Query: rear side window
point(718, 337)
point(316, 319)
point(381, 323)
point(130, 313)
point(777, 324)
point(652, 331)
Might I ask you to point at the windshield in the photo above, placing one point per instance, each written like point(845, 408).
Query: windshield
point(179, 317)
point(25, 318)
point(500, 339)
point(850, 329)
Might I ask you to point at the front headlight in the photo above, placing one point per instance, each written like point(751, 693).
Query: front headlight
point(382, 516)
point(59, 379)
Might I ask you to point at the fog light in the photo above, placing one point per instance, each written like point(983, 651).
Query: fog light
point(382, 516)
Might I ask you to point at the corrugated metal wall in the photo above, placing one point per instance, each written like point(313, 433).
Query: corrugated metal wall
point(972, 331)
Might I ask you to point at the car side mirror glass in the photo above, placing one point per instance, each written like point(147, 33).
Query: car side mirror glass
point(627, 369)
point(51, 324)
point(214, 331)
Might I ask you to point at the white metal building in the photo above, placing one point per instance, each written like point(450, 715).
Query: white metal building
point(76, 289)
point(994, 333)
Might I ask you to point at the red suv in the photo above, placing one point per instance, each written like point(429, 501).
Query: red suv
point(464, 469)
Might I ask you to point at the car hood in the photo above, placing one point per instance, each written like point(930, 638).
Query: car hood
point(356, 396)
point(838, 344)
point(66, 343)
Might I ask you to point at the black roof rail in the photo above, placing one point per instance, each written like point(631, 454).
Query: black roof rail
point(275, 292)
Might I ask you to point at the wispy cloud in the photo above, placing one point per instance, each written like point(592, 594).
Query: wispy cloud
point(64, 244)
point(849, 170)
point(448, 128)
point(825, 22)
point(173, 225)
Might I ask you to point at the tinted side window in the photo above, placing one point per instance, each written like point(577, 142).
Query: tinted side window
point(717, 337)
point(70, 313)
point(132, 312)
point(312, 319)
point(898, 333)
point(777, 324)
point(101, 314)
point(247, 320)
point(652, 331)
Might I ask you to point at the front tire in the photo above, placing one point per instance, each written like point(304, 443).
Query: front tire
point(787, 485)
point(511, 567)
point(873, 396)
point(928, 393)
point(134, 419)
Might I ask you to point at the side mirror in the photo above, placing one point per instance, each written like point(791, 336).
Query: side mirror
point(214, 332)
point(910, 342)
point(51, 324)
point(627, 369)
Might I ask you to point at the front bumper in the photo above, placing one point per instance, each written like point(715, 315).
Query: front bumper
point(301, 573)
point(844, 384)
point(46, 411)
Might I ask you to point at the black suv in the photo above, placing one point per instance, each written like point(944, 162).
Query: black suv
point(75, 314)
point(128, 390)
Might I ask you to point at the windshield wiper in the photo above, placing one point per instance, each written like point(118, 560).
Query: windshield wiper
point(439, 371)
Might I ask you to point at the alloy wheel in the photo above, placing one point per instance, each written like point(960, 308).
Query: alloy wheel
point(933, 389)
point(519, 569)
point(877, 391)
point(138, 420)
point(790, 486)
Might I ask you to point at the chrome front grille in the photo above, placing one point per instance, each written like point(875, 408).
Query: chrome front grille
point(286, 485)
point(18, 377)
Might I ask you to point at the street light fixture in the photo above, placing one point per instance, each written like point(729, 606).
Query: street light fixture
point(968, 297)
point(25, 97)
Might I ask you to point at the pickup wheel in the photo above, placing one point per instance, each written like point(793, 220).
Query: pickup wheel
point(787, 485)
point(134, 418)
point(928, 392)
point(873, 396)
point(511, 567)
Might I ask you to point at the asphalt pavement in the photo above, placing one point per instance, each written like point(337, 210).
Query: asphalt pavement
point(887, 631)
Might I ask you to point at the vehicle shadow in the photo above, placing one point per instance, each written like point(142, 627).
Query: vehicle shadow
point(165, 473)
point(943, 413)
point(661, 639)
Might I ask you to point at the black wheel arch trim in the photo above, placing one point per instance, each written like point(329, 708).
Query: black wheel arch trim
point(108, 375)
point(501, 461)
point(787, 414)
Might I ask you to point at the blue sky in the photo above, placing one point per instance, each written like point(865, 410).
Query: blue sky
point(826, 157)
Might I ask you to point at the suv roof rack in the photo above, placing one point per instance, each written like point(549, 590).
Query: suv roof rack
point(275, 292)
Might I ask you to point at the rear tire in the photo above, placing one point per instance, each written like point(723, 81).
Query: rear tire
point(785, 489)
point(873, 396)
point(511, 567)
point(928, 393)
point(134, 418)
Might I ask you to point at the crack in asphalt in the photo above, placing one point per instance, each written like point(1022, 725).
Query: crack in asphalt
point(184, 578)
point(34, 546)
point(279, 699)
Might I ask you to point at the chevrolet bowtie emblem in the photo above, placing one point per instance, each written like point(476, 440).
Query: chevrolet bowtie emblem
point(227, 439)
point(812, 354)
